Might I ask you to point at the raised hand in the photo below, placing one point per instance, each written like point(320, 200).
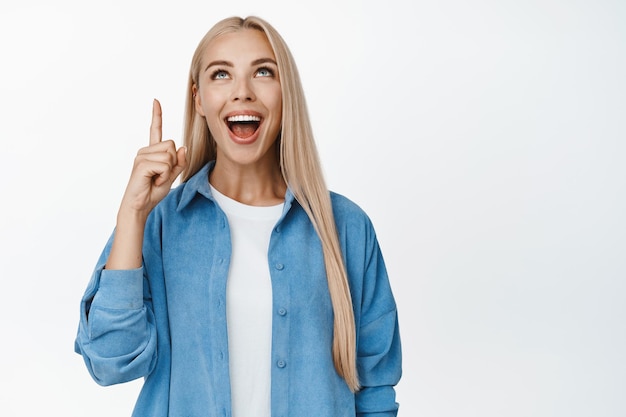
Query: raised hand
point(155, 169)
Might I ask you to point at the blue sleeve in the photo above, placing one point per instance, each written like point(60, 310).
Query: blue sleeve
point(379, 355)
point(116, 332)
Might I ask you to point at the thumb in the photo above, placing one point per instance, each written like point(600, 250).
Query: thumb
point(181, 161)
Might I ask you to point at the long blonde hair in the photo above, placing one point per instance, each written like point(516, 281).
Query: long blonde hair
point(301, 170)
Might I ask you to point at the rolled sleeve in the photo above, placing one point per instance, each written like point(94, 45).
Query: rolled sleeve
point(120, 289)
point(379, 364)
point(116, 333)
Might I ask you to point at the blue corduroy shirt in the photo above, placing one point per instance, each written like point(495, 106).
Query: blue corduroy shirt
point(166, 321)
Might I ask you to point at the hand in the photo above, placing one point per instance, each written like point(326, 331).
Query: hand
point(155, 169)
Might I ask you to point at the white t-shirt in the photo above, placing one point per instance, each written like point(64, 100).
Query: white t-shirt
point(249, 305)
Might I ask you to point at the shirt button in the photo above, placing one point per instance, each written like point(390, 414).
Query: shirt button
point(277, 229)
point(281, 363)
point(282, 311)
point(280, 267)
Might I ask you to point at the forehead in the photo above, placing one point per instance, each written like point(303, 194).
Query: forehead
point(243, 44)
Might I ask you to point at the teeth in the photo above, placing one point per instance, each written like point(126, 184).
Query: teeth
point(244, 118)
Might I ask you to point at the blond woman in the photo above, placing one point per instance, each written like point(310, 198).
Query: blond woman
point(249, 290)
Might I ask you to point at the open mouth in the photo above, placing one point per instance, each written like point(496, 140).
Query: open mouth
point(243, 125)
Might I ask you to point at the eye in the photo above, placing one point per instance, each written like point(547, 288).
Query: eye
point(264, 72)
point(219, 74)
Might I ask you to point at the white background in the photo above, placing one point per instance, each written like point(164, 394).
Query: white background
point(486, 140)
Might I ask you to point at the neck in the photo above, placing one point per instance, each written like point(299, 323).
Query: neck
point(254, 185)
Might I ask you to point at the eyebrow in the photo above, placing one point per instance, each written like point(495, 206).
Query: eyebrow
point(230, 64)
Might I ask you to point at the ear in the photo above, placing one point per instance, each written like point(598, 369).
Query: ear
point(196, 100)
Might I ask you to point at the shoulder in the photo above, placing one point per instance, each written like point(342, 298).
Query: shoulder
point(349, 216)
point(342, 205)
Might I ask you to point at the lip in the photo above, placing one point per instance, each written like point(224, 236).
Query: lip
point(238, 140)
point(242, 113)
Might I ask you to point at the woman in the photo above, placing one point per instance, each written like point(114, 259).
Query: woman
point(249, 289)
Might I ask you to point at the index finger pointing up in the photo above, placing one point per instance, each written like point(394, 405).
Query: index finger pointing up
point(155, 127)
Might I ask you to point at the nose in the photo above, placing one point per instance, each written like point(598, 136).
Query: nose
point(242, 90)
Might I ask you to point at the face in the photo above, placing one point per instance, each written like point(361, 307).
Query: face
point(239, 95)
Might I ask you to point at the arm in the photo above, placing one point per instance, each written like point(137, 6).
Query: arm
point(117, 333)
point(379, 356)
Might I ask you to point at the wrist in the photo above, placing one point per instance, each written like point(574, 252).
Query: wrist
point(129, 216)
